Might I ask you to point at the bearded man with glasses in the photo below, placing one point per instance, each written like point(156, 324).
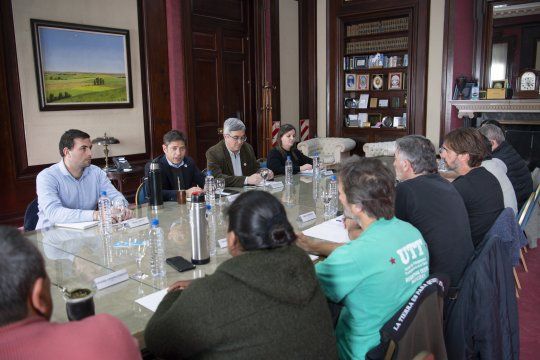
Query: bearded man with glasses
point(233, 158)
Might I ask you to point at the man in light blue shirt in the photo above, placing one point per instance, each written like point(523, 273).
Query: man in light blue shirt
point(68, 191)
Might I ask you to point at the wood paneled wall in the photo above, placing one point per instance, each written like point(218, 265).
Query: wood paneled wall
point(17, 179)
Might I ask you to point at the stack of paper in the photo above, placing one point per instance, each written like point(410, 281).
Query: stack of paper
point(78, 225)
point(331, 230)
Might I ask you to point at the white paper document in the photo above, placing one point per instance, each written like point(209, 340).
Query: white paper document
point(313, 257)
point(152, 301)
point(310, 172)
point(331, 230)
point(78, 225)
point(272, 184)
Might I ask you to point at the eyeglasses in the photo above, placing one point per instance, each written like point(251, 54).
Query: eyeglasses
point(237, 138)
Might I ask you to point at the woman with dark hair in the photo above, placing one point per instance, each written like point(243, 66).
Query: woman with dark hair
point(264, 303)
point(286, 146)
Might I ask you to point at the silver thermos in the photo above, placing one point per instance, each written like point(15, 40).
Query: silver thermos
point(199, 242)
point(155, 185)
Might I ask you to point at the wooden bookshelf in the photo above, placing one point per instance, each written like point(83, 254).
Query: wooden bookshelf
point(372, 41)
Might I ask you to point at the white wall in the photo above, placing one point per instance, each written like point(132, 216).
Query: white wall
point(44, 128)
point(435, 62)
point(288, 62)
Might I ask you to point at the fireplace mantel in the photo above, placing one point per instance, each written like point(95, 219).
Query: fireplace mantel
point(467, 108)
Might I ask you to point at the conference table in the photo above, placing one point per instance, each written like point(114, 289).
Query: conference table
point(74, 258)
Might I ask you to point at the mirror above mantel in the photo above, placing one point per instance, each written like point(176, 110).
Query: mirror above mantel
point(507, 40)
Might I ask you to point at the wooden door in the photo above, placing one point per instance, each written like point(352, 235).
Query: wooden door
point(218, 76)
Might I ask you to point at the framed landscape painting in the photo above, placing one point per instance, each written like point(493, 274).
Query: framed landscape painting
point(80, 67)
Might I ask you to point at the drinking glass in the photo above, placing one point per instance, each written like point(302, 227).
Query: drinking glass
point(264, 172)
point(220, 186)
point(441, 164)
point(138, 246)
point(326, 197)
point(119, 207)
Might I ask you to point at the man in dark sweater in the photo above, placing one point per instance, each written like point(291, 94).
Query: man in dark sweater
point(518, 173)
point(463, 151)
point(178, 171)
point(433, 206)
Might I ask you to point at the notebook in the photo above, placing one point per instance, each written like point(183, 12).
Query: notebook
point(78, 225)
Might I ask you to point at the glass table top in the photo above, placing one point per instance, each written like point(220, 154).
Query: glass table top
point(76, 257)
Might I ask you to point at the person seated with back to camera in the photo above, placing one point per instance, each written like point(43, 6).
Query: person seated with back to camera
point(263, 303)
point(178, 171)
point(286, 146)
point(26, 331)
point(432, 205)
point(375, 274)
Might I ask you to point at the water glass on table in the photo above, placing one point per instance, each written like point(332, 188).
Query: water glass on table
point(220, 186)
point(138, 245)
point(326, 197)
point(119, 207)
point(264, 172)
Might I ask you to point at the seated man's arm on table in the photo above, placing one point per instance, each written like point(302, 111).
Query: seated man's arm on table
point(106, 185)
point(214, 164)
point(319, 247)
point(49, 199)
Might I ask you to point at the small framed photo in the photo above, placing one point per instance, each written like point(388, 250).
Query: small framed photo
point(350, 82)
point(362, 82)
point(374, 120)
point(373, 102)
point(498, 84)
point(377, 82)
point(395, 102)
point(395, 81)
point(360, 62)
point(475, 93)
point(363, 102)
point(383, 103)
point(482, 94)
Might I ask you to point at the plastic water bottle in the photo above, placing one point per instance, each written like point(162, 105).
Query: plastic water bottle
point(316, 166)
point(211, 221)
point(288, 171)
point(105, 219)
point(157, 252)
point(333, 190)
point(209, 189)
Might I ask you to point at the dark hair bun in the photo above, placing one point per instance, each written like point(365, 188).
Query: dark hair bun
point(279, 235)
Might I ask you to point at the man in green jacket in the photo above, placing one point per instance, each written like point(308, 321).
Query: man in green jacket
point(232, 158)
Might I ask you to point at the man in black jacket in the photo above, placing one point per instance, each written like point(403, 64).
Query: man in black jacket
point(463, 151)
point(178, 171)
point(518, 173)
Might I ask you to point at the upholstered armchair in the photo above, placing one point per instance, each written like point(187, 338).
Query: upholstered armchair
point(331, 150)
point(387, 148)
point(384, 151)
